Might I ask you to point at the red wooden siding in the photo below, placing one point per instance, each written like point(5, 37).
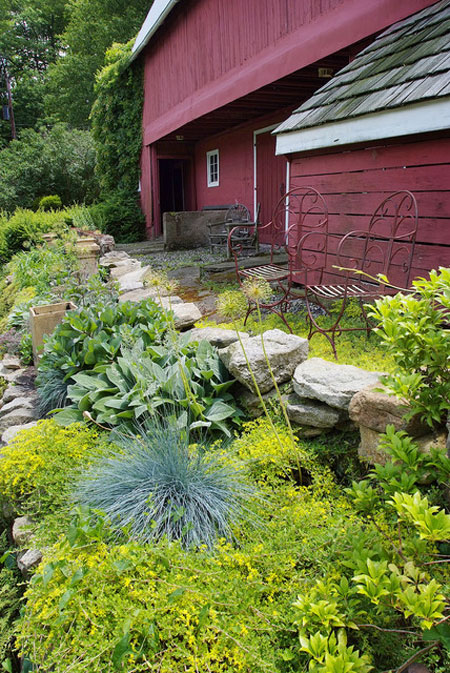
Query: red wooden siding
point(270, 178)
point(355, 182)
point(211, 52)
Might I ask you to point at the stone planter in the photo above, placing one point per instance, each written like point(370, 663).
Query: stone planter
point(43, 320)
point(88, 251)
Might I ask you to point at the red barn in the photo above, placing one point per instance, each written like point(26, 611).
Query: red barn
point(221, 75)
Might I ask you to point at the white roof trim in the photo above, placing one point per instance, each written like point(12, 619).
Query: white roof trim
point(159, 10)
point(423, 117)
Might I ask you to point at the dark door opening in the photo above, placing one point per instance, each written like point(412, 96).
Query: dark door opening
point(172, 185)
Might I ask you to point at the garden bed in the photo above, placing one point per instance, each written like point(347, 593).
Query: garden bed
point(167, 530)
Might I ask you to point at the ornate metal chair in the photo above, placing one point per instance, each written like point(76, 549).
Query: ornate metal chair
point(300, 210)
point(338, 267)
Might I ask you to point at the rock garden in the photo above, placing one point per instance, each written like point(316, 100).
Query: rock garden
point(183, 492)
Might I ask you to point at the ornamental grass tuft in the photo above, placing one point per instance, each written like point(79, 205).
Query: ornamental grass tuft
point(157, 485)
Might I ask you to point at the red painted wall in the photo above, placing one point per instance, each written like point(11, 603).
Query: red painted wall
point(355, 182)
point(210, 52)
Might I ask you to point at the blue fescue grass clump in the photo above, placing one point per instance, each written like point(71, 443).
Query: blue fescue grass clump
point(156, 485)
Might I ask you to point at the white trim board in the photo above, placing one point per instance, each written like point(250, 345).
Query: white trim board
point(159, 10)
point(419, 118)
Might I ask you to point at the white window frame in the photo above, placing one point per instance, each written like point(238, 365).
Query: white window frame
point(211, 182)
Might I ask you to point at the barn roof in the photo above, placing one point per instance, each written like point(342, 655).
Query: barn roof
point(157, 14)
point(408, 64)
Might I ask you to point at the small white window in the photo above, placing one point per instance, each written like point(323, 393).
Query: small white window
point(212, 168)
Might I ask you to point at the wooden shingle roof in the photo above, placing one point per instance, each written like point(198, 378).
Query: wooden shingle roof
point(408, 63)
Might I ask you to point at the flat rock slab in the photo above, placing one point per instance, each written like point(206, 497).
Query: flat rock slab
point(13, 391)
point(216, 336)
point(11, 362)
point(137, 275)
point(13, 430)
point(376, 409)
point(186, 315)
point(331, 383)
point(124, 268)
point(113, 258)
point(142, 294)
point(284, 352)
point(18, 403)
point(312, 413)
point(10, 374)
point(19, 416)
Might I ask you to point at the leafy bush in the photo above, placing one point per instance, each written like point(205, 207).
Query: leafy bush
point(50, 161)
point(414, 330)
point(120, 215)
point(389, 578)
point(142, 381)
point(91, 338)
point(158, 486)
point(52, 202)
point(40, 464)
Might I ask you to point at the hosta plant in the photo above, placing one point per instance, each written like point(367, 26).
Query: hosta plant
point(90, 338)
point(142, 381)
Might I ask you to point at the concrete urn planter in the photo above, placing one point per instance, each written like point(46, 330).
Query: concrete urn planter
point(43, 320)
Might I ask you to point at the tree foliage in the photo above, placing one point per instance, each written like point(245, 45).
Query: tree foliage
point(29, 43)
point(49, 161)
point(92, 27)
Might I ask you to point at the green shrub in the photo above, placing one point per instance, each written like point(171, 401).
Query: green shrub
point(157, 486)
point(52, 202)
point(10, 595)
point(120, 215)
point(414, 330)
point(117, 130)
point(57, 160)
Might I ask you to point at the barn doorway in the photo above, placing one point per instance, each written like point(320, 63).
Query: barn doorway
point(173, 180)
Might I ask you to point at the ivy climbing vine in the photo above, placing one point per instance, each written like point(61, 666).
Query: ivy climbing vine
point(117, 129)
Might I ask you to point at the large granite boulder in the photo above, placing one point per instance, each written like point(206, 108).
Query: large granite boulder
point(284, 351)
point(186, 315)
point(371, 451)
point(216, 336)
point(376, 409)
point(22, 531)
point(330, 382)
